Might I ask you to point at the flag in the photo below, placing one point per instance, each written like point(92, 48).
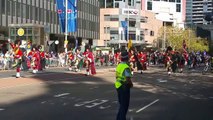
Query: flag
point(61, 8)
point(129, 43)
point(125, 28)
point(71, 14)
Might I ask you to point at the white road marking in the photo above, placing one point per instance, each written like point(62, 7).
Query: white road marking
point(161, 80)
point(96, 104)
point(2, 109)
point(143, 108)
point(43, 102)
point(104, 107)
point(60, 95)
point(83, 103)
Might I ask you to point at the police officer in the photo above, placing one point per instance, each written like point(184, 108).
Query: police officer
point(123, 84)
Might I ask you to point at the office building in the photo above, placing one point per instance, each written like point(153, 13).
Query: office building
point(112, 32)
point(171, 12)
point(144, 26)
point(196, 10)
point(39, 20)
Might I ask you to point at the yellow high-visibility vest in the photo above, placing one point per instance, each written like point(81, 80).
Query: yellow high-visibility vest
point(120, 79)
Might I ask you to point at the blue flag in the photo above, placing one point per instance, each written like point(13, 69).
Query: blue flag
point(71, 14)
point(61, 8)
point(125, 27)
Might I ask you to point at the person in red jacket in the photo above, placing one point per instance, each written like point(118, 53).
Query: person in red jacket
point(42, 58)
point(17, 56)
point(34, 55)
point(89, 62)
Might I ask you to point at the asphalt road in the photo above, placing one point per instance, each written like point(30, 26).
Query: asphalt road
point(58, 94)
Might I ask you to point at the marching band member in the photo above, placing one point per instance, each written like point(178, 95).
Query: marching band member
point(89, 62)
point(17, 56)
point(35, 58)
point(79, 60)
point(71, 59)
point(132, 60)
point(117, 57)
point(42, 58)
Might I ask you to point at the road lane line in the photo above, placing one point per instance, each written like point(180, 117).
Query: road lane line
point(84, 103)
point(60, 95)
point(2, 109)
point(96, 103)
point(143, 108)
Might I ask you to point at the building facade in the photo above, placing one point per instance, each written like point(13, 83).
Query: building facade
point(196, 10)
point(171, 12)
point(41, 16)
point(111, 30)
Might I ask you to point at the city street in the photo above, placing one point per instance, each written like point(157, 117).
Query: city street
point(58, 94)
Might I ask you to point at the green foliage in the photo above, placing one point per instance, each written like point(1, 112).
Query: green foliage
point(175, 37)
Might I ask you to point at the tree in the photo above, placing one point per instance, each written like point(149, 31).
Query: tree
point(175, 36)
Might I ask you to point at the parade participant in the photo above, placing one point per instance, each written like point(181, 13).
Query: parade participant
point(42, 58)
point(169, 62)
point(117, 57)
point(89, 62)
point(71, 59)
point(111, 58)
point(79, 60)
point(35, 58)
point(123, 84)
point(17, 56)
point(141, 60)
point(132, 60)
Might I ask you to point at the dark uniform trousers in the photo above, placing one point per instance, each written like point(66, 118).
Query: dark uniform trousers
point(123, 99)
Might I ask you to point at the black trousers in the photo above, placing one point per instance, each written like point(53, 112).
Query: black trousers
point(123, 99)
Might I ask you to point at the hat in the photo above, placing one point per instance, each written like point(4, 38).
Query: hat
point(124, 55)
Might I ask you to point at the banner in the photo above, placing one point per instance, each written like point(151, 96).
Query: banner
point(71, 14)
point(125, 27)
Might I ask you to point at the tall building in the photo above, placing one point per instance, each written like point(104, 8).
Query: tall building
point(39, 20)
point(111, 30)
point(196, 10)
point(171, 12)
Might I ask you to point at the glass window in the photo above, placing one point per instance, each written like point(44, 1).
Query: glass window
point(24, 10)
point(106, 17)
point(114, 19)
point(114, 32)
point(149, 5)
point(132, 23)
point(178, 8)
point(178, 1)
point(27, 12)
point(116, 5)
point(18, 8)
point(171, 0)
point(109, 3)
point(8, 7)
point(13, 8)
point(3, 6)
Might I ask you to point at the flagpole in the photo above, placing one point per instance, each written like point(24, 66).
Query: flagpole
point(66, 34)
point(128, 27)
